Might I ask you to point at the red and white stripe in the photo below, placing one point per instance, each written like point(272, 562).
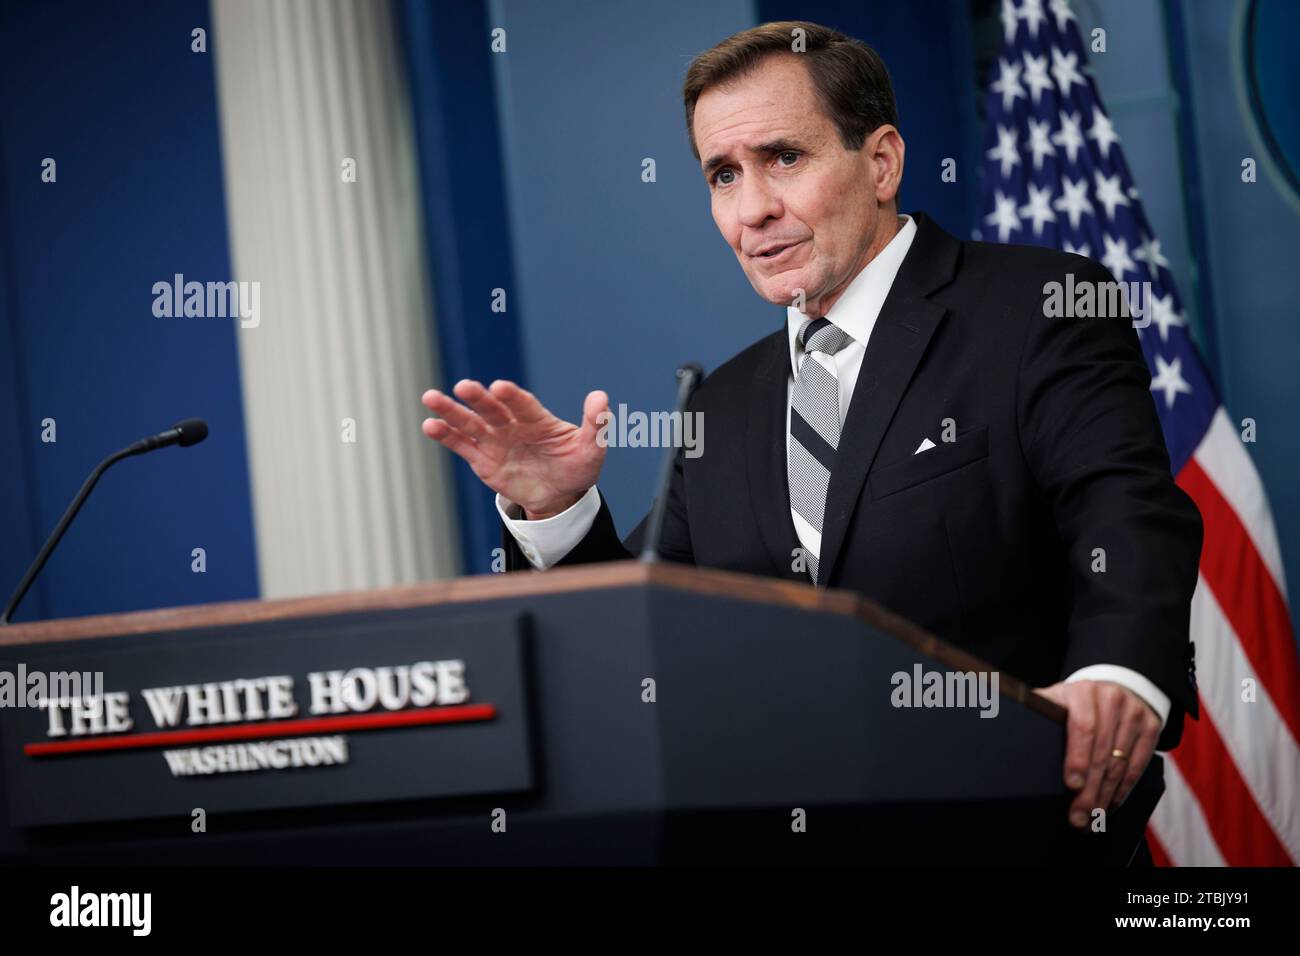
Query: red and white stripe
point(1233, 785)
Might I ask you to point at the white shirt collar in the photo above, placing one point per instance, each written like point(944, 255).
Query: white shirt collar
point(856, 310)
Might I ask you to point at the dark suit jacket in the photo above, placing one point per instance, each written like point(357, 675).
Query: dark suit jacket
point(987, 541)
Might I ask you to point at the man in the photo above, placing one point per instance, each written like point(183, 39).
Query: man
point(919, 430)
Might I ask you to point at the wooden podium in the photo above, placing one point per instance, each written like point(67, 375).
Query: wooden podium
point(611, 714)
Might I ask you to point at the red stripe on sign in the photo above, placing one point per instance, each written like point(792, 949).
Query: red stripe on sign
point(284, 728)
point(1241, 831)
point(1248, 595)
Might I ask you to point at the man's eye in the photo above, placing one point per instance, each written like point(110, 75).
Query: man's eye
point(794, 157)
point(718, 177)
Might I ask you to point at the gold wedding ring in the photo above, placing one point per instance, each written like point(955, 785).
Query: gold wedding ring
point(1119, 754)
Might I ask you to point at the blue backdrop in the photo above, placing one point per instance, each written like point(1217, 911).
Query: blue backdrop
point(114, 95)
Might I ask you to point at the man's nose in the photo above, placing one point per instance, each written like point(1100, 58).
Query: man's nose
point(759, 202)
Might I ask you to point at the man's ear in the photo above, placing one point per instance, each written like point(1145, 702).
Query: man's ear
point(886, 151)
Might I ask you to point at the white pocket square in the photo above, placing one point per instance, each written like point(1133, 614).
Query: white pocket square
point(926, 445)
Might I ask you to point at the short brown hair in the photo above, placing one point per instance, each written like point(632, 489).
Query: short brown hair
point(850, 77)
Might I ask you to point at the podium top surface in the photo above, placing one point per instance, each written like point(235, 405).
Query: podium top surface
point(487, 587)
point(484, 587)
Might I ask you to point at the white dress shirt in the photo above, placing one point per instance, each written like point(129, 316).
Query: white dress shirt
point(546, 541)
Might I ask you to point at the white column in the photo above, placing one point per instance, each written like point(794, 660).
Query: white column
point(346, 309)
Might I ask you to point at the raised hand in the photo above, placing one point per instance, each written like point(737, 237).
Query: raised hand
point(518, 448)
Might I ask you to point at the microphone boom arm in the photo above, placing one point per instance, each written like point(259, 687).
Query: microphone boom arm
point(189, 432)
point(688, 377)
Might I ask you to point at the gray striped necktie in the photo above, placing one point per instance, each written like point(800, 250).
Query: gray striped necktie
point(814, 424)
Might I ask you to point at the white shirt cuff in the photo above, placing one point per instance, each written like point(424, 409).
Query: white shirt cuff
point(1131, 679)
point(547, 541)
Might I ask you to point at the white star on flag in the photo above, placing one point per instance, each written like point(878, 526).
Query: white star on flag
point(1005, 151)
point(1103, 132)
point(1040, 142)
point(1109, 193)
point(1065, 67)
point(1008, 84)
point(1149, 252)
point(1039, 208)
point(1036, 76)
point(1033, 15)
point(1075, 201)
point(1117, 259)
point(1004, 216)
point(1069, 137)
point(1009, 20)
point(1164, 315)
point(1061, 10)
point(1169, 379)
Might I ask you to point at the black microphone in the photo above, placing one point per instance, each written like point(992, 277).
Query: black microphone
point(688, 378)
point(189, 432)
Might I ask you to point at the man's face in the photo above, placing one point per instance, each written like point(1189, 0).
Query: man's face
point(799, 210)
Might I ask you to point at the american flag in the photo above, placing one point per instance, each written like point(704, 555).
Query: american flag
point(1055, 176)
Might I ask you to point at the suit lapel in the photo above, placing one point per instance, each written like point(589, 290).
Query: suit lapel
point(769, 490)
point(903, 330)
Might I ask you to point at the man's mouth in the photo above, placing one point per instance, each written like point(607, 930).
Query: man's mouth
point(777, 251)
